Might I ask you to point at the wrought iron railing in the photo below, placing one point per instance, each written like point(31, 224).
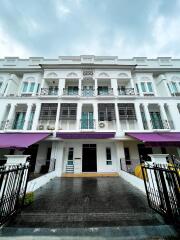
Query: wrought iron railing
point(162, 184)
point(126, 91)
point(13, 184)
point(109, 92)
point(49, 91)
point(160, 124)
point(87, 124)
point(67, 92)
point(175, 94)
point(88, 92)
point(12, 125)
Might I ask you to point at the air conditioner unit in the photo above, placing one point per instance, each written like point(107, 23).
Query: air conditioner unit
point(50, 127)
point(41, 127)
point(101, 124)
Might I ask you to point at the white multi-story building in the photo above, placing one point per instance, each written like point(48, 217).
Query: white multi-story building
point(89, 113)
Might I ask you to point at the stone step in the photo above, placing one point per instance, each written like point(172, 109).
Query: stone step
point(95, 174)
point(40, 219)
point(161, 232)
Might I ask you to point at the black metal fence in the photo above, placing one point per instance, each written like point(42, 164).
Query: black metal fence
point(162, 183)
point(13, 184)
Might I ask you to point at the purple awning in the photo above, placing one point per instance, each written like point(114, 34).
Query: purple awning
point(20, 140)
point(85, 135)
point(171, 138)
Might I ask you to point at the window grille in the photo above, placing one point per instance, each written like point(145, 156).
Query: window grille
point(106, 112)
point(126, 111)
point(48, 111)
point(68, 111)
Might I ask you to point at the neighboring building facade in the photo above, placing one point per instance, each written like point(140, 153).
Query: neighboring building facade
point(93, 108)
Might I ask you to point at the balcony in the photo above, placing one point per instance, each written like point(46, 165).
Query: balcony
point(15, 125)
point(105, 91)
point(88, 92)
point(123, 91)
point(46, 125)
point(51, 91)
point(70, 92)
point(160, 124)
point(175, 94)
point(87, 124)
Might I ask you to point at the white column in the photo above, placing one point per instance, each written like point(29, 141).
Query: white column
point(57, 117)
point(80, 86)
point(114, 86)
point(61, 86)
point(78, 117)
point(42, 85)
point(36, 116)
point(164, 116)
point(11, 115)
point(57, 154)
point(121, 164)
point(95, 110)
point(148, 117)
point(95, 86)
point(173, 110)
point(138, 115)
point(28, 112)
point(118, 125)
point(132, 84)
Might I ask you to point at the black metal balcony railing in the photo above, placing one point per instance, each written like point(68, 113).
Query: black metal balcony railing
point(107, 92)
point(87, 124)
point(68, 92)
point(175, 94)
point(87, 92)
point(126, 91)
point(160, 124)
point(49, 91)
point(4, 125)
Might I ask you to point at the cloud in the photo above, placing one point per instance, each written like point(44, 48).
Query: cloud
point(72, 27)
point(9, 47)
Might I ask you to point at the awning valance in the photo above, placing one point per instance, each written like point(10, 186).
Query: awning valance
point(20, 140)
point(158, 138)
point(85, 135)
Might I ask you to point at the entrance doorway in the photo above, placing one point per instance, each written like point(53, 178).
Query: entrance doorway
point(89, 158)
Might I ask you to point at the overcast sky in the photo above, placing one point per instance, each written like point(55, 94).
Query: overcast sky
point(124, 28)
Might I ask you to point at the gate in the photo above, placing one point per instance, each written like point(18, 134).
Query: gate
point(162, 184)
point(13, 184)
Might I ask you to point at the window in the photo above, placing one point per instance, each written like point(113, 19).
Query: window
point(106, 112)
point(25, 87)
point(68, 111)
point(146, 87)
point(137, 88)
point(108, 156)
point(31, 88)
point(102, 90)
point(127, 111)
point(143, 87)
point(48, 111)
point(38, 86)
point(149, 86)
point(72, 90)
point(70, 156)
point(127, 156)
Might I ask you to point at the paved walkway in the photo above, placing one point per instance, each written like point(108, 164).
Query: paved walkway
point(87, 203)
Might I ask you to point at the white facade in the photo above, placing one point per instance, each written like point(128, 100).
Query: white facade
point(136, 95)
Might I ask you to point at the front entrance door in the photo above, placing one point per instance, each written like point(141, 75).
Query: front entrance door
point(89, 159)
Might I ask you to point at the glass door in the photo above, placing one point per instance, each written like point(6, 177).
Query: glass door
point(87, 121)
point(19, 120)
point(156, 120)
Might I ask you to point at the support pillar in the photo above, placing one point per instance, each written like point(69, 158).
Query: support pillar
point(57, 155)
point(164, 116)
point(78, 116)
point(121, 164)
point(27, 117)
point(10, 117)
point(118, 124)
point(95, 86)
point(57, 117)
point(36, 116)
point(114, 86)
point(139, 117)
point(148, 117)
point(95, 110)
point(80, 87)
